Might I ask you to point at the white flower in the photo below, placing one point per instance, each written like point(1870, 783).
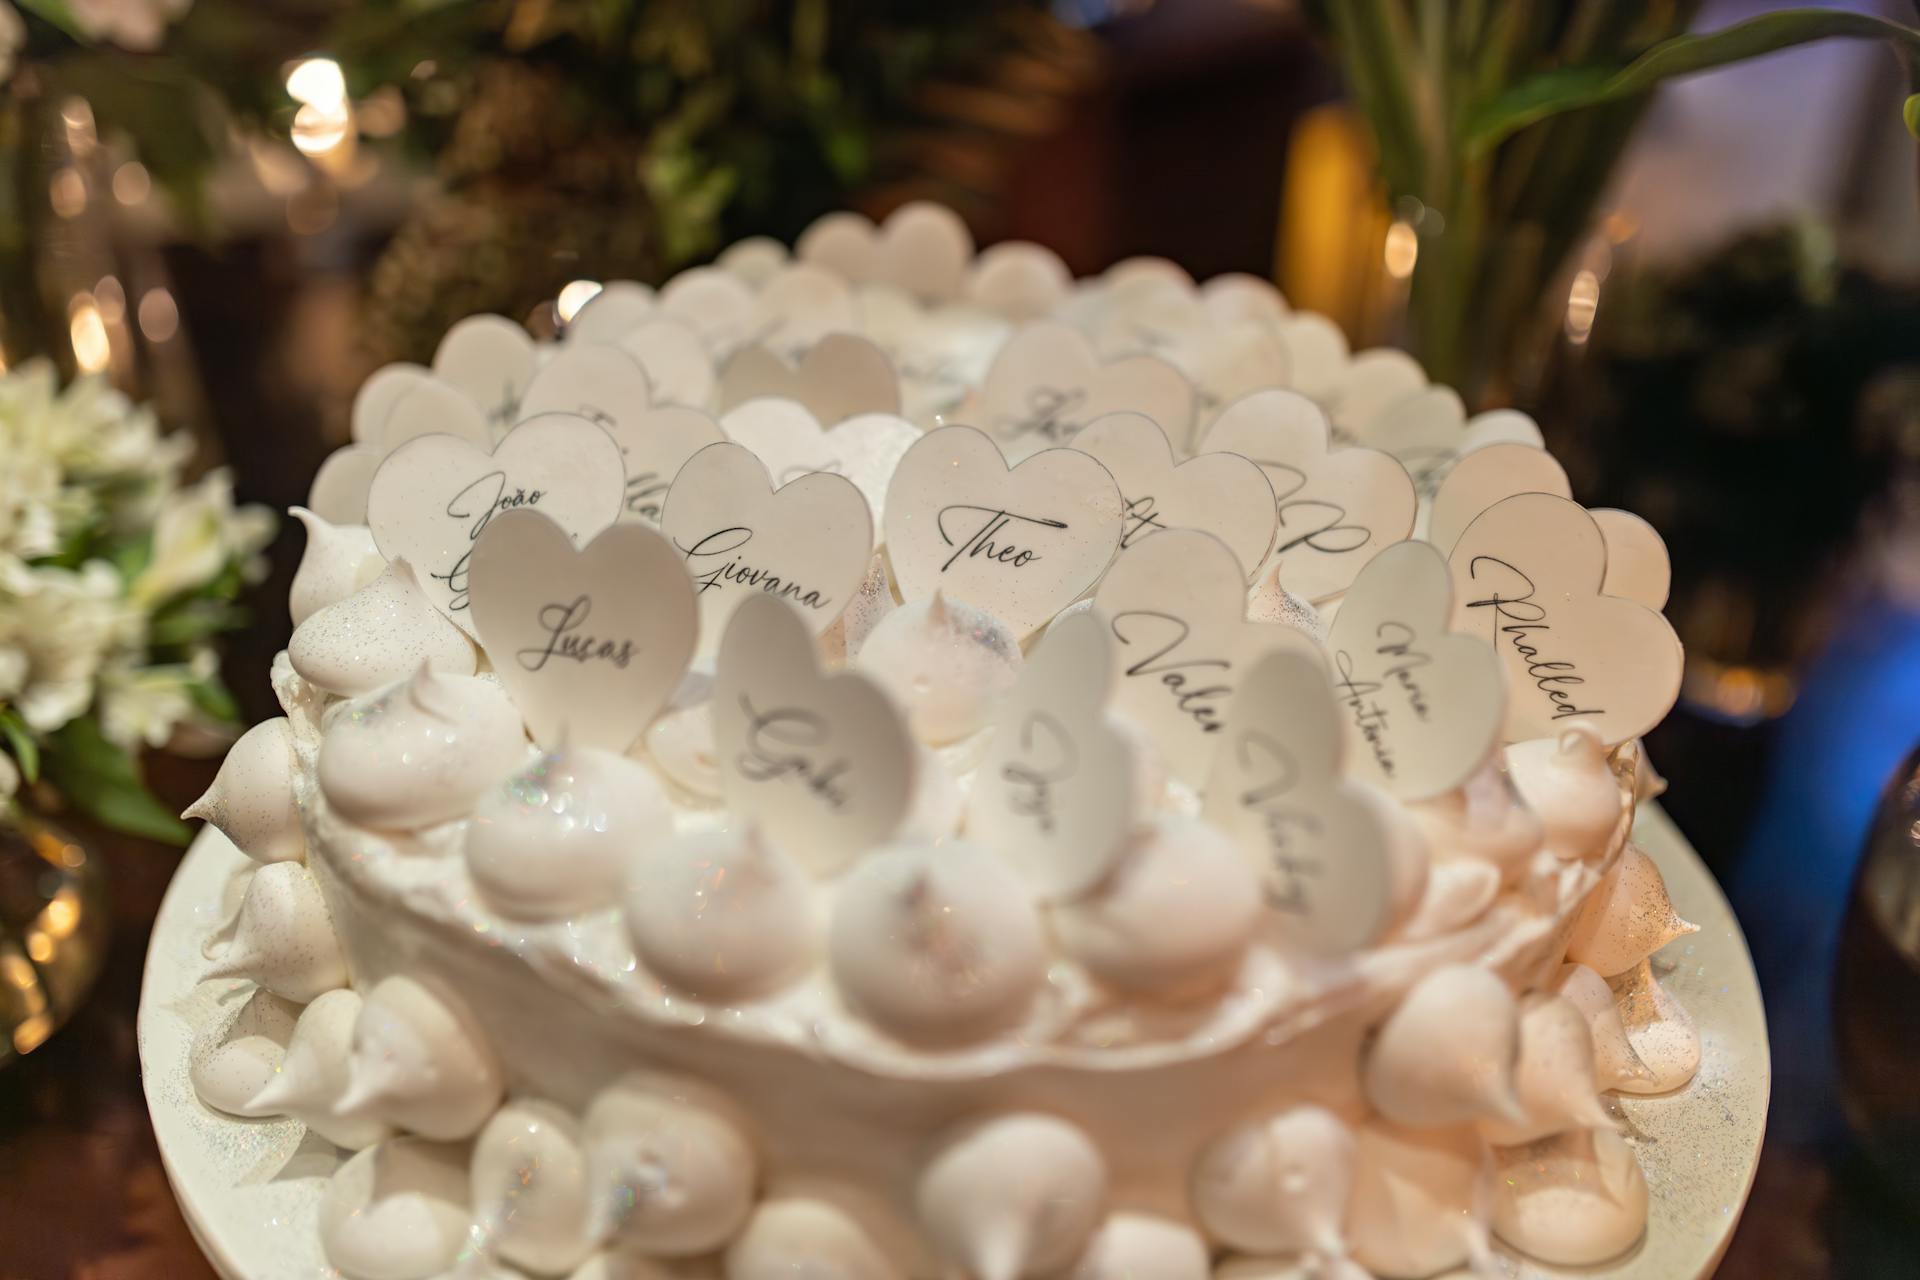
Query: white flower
point(65, 623)
point(142, 705)
point(13, 34)
point(132, 24)
point(197, 532)
point(9, 777)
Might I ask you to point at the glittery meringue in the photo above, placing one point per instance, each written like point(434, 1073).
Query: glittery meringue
point(396, 1211)
point(670, 1169)
point(1172, 918)
point(551, 842)
point(945, 662)
point(1013, 1197)
point(936, 944)
point(1271, 602)
point(1566, 780)
point(420, 752)
point(313, 1074)
point(1131, 1246)
point(1615, 1064)
point(1445, 1056)
point(252, 798)
point(1484, 819)
point(794, 1236)
point(1291, 1268)
point(1277, 1185)
point(233, 1057)
point(1626, 918)
point(721, 913)
point(1571, 1201)
point(616, 1264)
point(420, 1062)
point(284, 939)
point(380, 633)
point(1459, 891)
point(1553, 1076)
point(528, 1183)
point(1418, 1199)
point(681, 743)
point(339, 560)
point(1660, 1029)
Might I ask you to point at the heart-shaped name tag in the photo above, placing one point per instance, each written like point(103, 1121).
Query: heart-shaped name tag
point(1055, 792)
point(491, 359)
point(367, 422)
point(1638, 568)
point(1019, 280)
point(1318, 840)
point(655, 445)
point(1528, 576)
point(923, 248)
point(1022, 544)
point(676, 362)
point(395, 404)
point(599, 383)
point(1429, 432)
point(1484, 477)
point(591, 642)
point(1337, 507)
point(788, 439)
point(430, 407)
point(620, 307)
point(1223, 494)
point(842, 375)
point(1047, 383)
point(1423, 707)
point(806, 542)
point(824, 763)
point(1177, 607)
point(435, 495)
point(940, 353)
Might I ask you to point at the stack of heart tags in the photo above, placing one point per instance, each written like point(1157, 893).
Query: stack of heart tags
point(887, 763)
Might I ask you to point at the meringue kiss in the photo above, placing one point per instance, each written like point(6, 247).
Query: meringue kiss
point(1015, 1196)
point(339, 560)
point(1445, 1056)
point(420, 1062)
point(313, 1074)
point(378, 634)
point(252, 800)
point(284, 939)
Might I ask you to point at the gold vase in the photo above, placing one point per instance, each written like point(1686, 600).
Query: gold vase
point(53, 930)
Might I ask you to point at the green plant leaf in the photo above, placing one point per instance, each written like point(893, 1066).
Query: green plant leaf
point(26, 752)
point(213, 698)
point(1569, 88)
point(103, 782)
point(57, 13)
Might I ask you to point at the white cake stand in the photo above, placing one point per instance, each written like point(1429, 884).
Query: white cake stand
point(250, 1189)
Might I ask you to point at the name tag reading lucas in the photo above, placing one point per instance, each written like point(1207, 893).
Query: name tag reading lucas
point(1020, 543)
point(824, 763)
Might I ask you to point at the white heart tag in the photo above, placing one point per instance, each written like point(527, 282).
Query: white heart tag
point(432, 407)
point(1318, 840)
point(655, 445)
point(1527, 575)
point(591, 642)
point(394, 405)
point(1337, 507)
point(491, 359)
point(823, 763)
point(1638, 568)
point(1177, 606)
point(806, 542)
point(675, 360)
point(367, 422)
point(618, 309)
point(1055, 794)
point(923, 248)
point(1376, 378)
point(940, 353)
point(435, 495)
point(717, 306)
point(1423, 707)
point(865, 449)
point(796, 308)
point(338, 493)
point(1224, 360)
point(1047, 383)
point(1429, 432)
point(1223, 494)
point(599, 383)
point(1022, 544)
point(754, 260)
point(843, 375)
point(1019, 280)
point(1484, 477)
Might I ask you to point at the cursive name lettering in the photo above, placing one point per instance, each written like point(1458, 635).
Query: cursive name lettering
point(1206, 704)
point(1048, 414)
point(1139, 520)
point(979, 542)
point(479, 502)
point(735, 572)
point(1291, 866)
point(647, 494)
point(1312, 523)
point(560, 621)
point(1369, 717)
point(1523, 620)
point(1051, 758)
point(783, 742)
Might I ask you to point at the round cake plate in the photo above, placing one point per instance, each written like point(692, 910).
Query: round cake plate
point(250, 1189)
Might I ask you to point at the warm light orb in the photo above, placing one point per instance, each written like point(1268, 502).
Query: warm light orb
point(92, 348)
point(318, 82)
point(1583, 303)
point(318, 130)
point(1402, 249)
point(576, 295)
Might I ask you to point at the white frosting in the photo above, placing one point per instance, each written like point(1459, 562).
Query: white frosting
point(1626, 919)
point(396, 1211)
point(1554, 1076)
point(1615, 1064)
point(1172, 918)
point(616, 1265)
point(284, 939)
point(794, 1237)
point(1459, 891)
point(1292, 1269)
point(528, 1183)
point(1016, 1196)
point(420, 1062)
point(936, 944)
point(1567, 782)
point(313, 1074)
point(1416, 1197)
point(1660, 1029)
point(721, 913)
point(1483, 819)
point(671, 1170)
point(681, 743)
point(252, 799)
point(235, 1056)
point(1408, 862)
point(1445, 1056)
point(1131, 1246)
point(381, 632)
point(1277, 1185)
point(421, 751)
point(551, 842)
point(945, 662)
point(338, 561)
point(1572, 1201)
